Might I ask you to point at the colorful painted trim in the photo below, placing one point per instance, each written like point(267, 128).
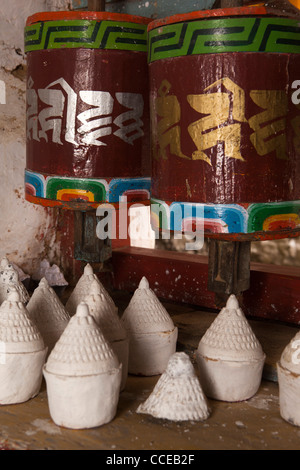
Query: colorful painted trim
point(66, 189)
point(132, 188)
point(35, 184)
point(211, 36)
point(269, 217)
point(178, 216)
point(86, 190)
point(225, 218)
point(88, 34)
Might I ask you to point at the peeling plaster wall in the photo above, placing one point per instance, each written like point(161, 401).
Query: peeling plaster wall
point(27, 232)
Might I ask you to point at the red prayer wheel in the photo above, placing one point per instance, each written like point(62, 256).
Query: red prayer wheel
point(87, 109)
point(225, 116)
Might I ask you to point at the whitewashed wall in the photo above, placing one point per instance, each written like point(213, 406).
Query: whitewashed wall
point(27, 232)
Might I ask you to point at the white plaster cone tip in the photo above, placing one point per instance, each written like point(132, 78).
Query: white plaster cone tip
point(144, 284)
point(178, 395)
point(288, 371)
point(48, 312)
point(88, 270)
point(145, 313)
point(83, 289)
point(22, 354)
point(5, 264)
point(229, 356)
point(232, 303)
point(9, 278)
point(83, 375)
point(152, 333)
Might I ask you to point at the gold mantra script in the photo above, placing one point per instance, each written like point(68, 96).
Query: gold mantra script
point(223, 114)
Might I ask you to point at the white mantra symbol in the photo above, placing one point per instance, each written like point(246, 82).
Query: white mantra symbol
point(296, 354)
point(96, 122)
point(93, 128)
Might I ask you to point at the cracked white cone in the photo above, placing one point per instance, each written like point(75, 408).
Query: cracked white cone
point(178, 395)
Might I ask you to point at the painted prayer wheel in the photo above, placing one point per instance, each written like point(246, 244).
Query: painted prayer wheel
point(87, 109)
point(225, 116)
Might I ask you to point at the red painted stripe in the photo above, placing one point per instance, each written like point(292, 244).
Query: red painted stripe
point(198, 15)
point(85, 15)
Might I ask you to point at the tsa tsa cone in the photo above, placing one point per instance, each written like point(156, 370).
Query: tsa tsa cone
point(83, 375)
point(178, 395)
point(110, 324)
point(151, 331)
point(9, 280)
point(229, 356)
point(22, 354)
point(83, 288)
point(288, 369)
point(49, 314)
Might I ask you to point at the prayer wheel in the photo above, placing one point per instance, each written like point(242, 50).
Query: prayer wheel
point(225, 118)
point(87, 109)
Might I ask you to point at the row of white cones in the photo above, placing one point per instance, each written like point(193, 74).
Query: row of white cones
point(85, 351)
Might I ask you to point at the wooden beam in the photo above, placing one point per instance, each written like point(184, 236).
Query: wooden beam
point(274, 292)
point(96, 5)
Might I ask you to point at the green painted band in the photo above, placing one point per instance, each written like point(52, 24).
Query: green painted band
point(249, 34)
point(90, 34)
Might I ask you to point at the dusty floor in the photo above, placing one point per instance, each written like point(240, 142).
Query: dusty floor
point(255, 424)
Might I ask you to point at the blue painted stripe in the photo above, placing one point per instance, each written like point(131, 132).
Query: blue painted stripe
point(118, 186)
point(37, 181)
point(233, 215)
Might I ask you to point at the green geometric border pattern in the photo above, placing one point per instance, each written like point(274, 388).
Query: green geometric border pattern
point(256, 34)
point(91, 34)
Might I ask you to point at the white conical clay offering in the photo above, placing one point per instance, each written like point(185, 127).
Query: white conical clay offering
point(83, 375)
point(151, 331)
point(9, 279)
point(22, 352)
point(178, 395)
point(6, 264)
point(83, 288)
point(229, 356)
point(52, 273)
point(288, 370)
point(110, 324)
point(48, 313)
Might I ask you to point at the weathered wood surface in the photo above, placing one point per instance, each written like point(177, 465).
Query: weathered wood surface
point(274, 292)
